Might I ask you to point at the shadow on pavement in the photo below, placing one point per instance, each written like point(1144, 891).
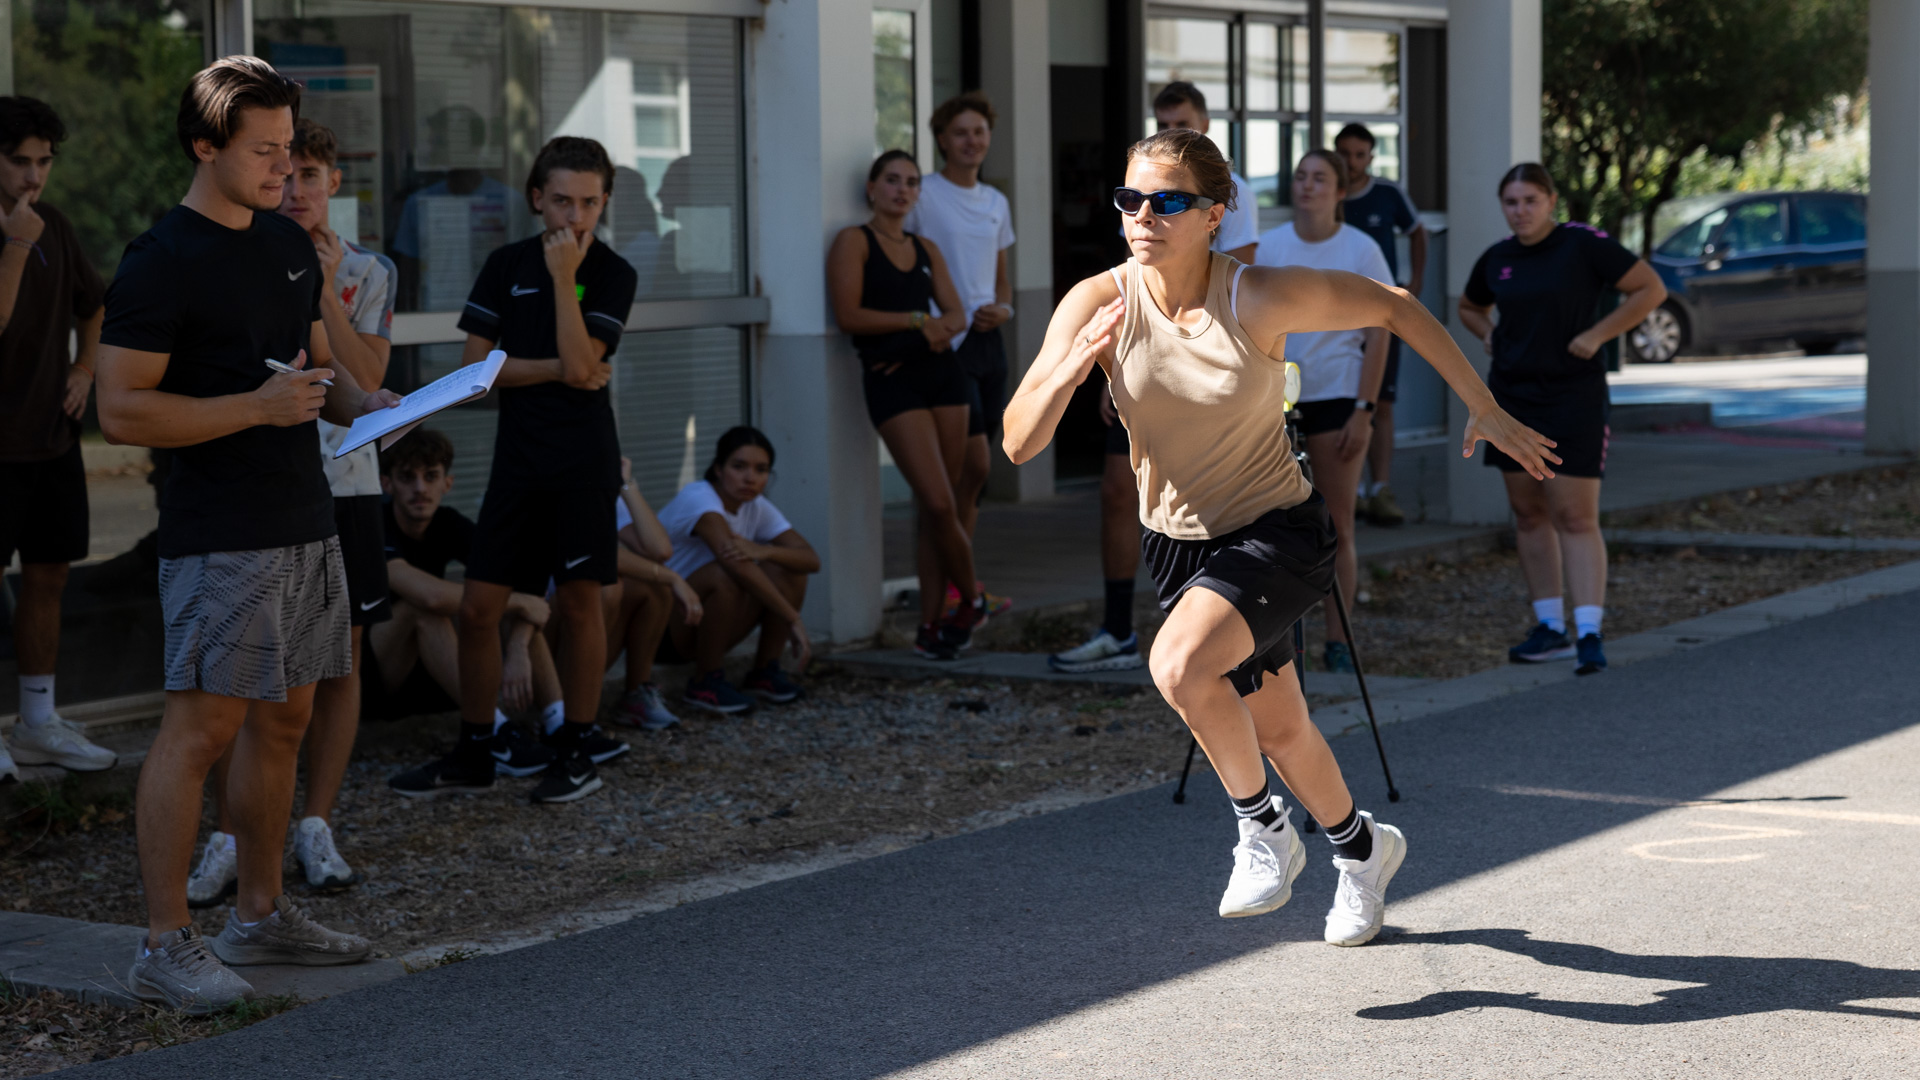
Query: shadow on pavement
point(1730, 985)
point(893, 962)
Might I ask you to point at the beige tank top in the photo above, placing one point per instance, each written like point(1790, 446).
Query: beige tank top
point(1205, 413)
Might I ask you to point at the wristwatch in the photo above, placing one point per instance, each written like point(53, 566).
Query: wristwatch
point(1364, 405)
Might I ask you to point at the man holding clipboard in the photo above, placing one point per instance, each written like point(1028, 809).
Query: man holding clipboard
point(252, 587)
point(556, 305)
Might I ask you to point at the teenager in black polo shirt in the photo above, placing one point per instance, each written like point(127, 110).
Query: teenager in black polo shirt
point(557, 304)
point(1547, 281)
point(48, 291)
point(252, 587)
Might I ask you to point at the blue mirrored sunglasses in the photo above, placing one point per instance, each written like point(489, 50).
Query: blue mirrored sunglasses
point(1165, 203)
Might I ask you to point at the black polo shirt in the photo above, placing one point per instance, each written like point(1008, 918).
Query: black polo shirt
point(1547, 295)
point(551, 436)
point(221, 302)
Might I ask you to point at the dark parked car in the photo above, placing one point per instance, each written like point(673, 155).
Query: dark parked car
point(1761, 265)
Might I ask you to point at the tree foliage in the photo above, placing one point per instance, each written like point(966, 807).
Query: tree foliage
point(1632, 89)
point(113, 70)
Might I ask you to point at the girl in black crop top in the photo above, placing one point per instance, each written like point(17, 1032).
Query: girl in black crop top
point(916, 391)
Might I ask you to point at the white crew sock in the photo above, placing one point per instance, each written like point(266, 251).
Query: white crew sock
point(224, 839)
point(553, 716)
point(1586, 619)
point(1376, 488)
point(36, 699)
point(1552, 612)
point(499, 720)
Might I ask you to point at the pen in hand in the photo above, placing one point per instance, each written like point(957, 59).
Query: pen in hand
point(277, 366)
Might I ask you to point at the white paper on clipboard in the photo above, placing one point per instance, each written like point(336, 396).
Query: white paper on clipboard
point(388, 425)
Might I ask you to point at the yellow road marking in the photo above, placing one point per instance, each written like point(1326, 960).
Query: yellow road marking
point(1771, 809)
point(1745, 832)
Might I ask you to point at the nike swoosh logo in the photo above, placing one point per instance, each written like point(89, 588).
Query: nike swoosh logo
point(571, 563)
point(291, 276)
point(371, 604)
point(518, 291)
point(503, 755)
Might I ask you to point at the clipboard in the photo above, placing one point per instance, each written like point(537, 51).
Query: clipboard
point(462, 385)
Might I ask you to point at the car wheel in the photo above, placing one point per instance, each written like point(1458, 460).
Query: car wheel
point(1660, 337)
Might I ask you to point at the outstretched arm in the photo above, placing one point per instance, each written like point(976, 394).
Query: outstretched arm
point(1079, 336)
point(1276, 301)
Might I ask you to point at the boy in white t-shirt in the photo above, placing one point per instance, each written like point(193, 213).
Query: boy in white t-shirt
point(749, 567)
point(972, 224)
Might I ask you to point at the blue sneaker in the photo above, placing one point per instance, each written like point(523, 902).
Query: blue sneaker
point(1102, 652)
point(714, 693)
point(1542, 645)
point(1338, 658)
point(1592, 658)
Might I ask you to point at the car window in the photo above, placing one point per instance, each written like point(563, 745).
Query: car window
point(1832, 219)
point(1689, 241)
point(1754, 226)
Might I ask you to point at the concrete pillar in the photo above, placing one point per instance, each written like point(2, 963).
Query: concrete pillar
point(1493, 123)
point(810, 66)
point(1893, 232)
point(1014, 74)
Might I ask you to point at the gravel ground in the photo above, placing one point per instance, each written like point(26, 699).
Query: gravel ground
point(1880, 504)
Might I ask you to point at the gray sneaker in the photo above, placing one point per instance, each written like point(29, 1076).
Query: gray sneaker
point(644, 708)
point(288, 936)
point(185, 975)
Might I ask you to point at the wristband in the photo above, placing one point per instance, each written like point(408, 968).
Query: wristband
point(916, 319)
point(84, 368)
point(1008, 308)
point(1364, 405)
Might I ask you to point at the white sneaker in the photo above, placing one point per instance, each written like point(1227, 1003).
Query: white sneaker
point(59, 742)
point(313, 846)
point(8, 770)
point(1360, 903)
point(1265, 862)
point(1102, 652)
point(218, 874)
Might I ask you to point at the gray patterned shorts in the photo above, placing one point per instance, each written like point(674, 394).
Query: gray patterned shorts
point(253, 624)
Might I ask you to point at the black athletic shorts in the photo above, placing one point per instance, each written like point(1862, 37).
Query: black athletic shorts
point(1117, 440)
point(1320, 417)
point(526, 537)
point(983, 357)
point(1272, 571)
point(1578, 422)
point(928, 383)
point(1390, 383)
point(43, 509)
point(363, 548)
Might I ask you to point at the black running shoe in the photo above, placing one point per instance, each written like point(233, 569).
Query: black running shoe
point(714, 693)
point(570, 778)
point(957, 630)
point(1542, 645)
point(771, 684)
point(596, 744)
point(932, 644)
point(449, 774)
point(1593, 659)
point(516, 753)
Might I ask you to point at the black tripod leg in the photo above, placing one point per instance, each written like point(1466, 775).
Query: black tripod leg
point(1180, 793)
point(1300, 672)
point(1360, 675)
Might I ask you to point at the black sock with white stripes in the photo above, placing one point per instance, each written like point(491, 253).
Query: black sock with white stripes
point(1352, 837)
point(1258, 807)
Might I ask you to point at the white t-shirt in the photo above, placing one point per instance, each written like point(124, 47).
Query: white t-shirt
point(1240, 226)
point(366, 283)
point(757, 519)
point(971, 226)
point(1329, 361)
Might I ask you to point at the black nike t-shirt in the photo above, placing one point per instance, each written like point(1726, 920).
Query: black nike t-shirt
point(221, 302)
point(446, 539)
point(1547, 295)
point(551, 436)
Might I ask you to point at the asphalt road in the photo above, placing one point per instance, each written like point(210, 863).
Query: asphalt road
point(1562, 912)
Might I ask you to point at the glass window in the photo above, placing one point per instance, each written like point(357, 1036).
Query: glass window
point(1363, 71)
point(1754, 226)
point(113, 71)
point(893, 126)
point(1689, 241)
point(1190, 50)
point(441, 107)
point(1276, 68)
point(1831, 219)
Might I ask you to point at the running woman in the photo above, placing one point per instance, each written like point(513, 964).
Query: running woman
point(1114, 646)
point(49, 294)
point(1547, 280)
point(1238, 544)
point(1340, 372)
point(1380, 208)
point(557, 304)
point(885, 282)
point(971, 223)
